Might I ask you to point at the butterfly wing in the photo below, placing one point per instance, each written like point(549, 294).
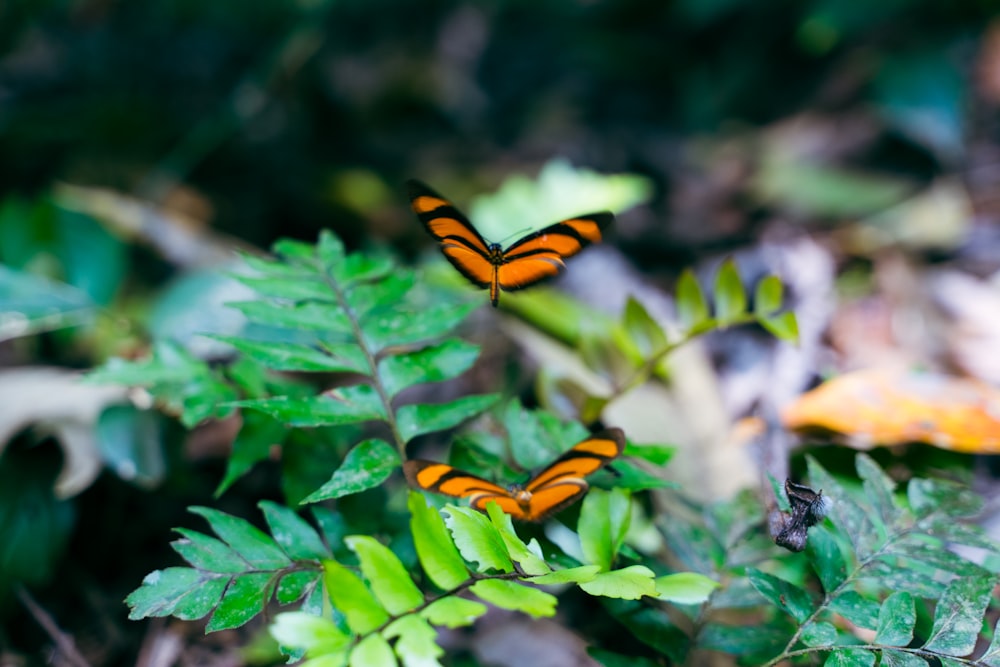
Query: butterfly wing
point(540, 255)
point(461, 244)
point(562, 482)
point(449, 480)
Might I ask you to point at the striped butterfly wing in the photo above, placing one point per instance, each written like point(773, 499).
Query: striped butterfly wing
point(461, 244)
point(541, 255)
point(450, 481)
point(562, 482)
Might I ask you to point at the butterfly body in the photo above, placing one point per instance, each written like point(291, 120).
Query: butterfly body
point(558, 485)
point(485, 264)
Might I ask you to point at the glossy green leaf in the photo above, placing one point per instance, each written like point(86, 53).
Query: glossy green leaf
point(858, 609)
point(453, 612)
point(819, 634)
point(414, 420)
point(33, 304)
point(438, 555)
point(685, 587)
point(417, 641)
point(826, 558)
point(372, 651)
point(782, 594)
point(940, 495)
point(291, 288)
point(329, 250)
point(404, 326)
point(346, 405)
point(642, 330)
point(895, 620)
point(654, 453)
point(530, 562)
point(252, 544)
point(604, 521)
point(515, 597)
point(767, 296)
point(181, 591)
point(359, 269)
point(958, 616)
point(244, 598)
point(283, 356)
point(366, 299)
point(293, 533)
point(208, 553)
point(389, 580)
point(431, 364)
point(323, 316)
point(572, 575)
point(350, 595)
point(729, 293)
point(315, 635)
point(366, 466)
point(895, 658)
point(610, 659)
point(991, 657)
point(692, 309)
point(477, 539)
point(628, 583)
point(294, 585)
point(853, 657)
point(783, 325)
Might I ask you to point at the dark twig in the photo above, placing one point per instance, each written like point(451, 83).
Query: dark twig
point(63, 641)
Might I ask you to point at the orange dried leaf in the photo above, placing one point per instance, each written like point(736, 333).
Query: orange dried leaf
point(884, 407)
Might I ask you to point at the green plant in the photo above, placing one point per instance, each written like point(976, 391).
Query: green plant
point(371, 324)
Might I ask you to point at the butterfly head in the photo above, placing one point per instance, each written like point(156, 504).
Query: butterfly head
point(520, 494)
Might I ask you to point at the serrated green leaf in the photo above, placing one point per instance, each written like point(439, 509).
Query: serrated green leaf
point(453, 612)
point(477, 539)
point(852, 519)
point(431, 364)
point(252, 445)
point(350, 595)
point(417, 643)
point(294, 585)
point(530, 442)
point(244, 598)
point(819, 634)
point(850, 657)
point(372, 651)
point(366, 466)
point(293, 289)
point(437, 553)
point(346, 405)
point(782, 594)
point(729, 294)
point(283, 356)
point(404, 326)
point(767, 296)
point(958, 616)
point(163, 592)
point(627, 583)
point(642, 330)
point(315, 635)
point(604, 521)
point(685, 587)
point(323, 316)
point(784, 326)
point(414, 420)
point(515, 597)
point(359, 268)
point(692, 308)
point(363, 300)
point(252, 544)
point(208, 553)
point(928, 496)
point(293, 533)
point(530, 563)
point(879, 488)
point(654, 453)
point(571, 575)
point(895, 658)
point(895, 620)
point(389, 580)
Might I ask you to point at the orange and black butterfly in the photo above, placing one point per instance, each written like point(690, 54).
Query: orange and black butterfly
point(555, 487)
point(528, 260)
